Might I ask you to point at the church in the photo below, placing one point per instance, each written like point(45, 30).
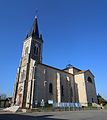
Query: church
point(36, 82)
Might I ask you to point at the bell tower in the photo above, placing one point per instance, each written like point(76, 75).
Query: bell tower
point(31, 55)
point(33, 43)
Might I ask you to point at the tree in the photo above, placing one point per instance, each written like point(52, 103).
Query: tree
point(3, 96)
point(101, 100)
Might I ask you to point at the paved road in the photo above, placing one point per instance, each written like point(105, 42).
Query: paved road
point(74, 115)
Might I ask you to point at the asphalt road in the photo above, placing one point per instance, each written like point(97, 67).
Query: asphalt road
point(73, 115)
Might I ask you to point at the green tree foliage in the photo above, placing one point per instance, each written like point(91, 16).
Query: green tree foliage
point(101, 100)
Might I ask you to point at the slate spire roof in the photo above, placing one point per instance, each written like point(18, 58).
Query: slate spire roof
point(34, 30)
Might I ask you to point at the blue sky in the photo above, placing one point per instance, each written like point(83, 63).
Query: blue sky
point(74, 32)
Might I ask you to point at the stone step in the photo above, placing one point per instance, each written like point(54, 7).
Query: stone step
point(11, 109)
point(96, 105)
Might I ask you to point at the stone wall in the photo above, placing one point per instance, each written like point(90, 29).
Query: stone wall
point(46, 75)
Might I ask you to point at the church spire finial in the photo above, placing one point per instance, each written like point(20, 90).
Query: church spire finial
point(35, 17)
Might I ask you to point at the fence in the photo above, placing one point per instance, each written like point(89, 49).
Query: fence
point(67, 106)
point(63, 105)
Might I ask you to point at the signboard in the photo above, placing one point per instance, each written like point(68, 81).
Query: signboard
point(50, 101)
point(36, 102)
point(42, 103)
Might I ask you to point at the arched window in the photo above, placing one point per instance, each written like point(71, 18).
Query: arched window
point(71, 91)
point(62, 90)
point(50, 88)
point(26, 51)
point(36, 50)
point(23, 75)
point(89, 80)
point(92, 100)
point(20, 89)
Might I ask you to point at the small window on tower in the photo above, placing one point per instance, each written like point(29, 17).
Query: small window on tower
point(26, 51)
point(23, 75)
point(36, 50)
point(89, 80)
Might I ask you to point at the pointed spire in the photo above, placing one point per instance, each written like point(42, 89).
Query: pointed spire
point(27, 36)
point(34, 30)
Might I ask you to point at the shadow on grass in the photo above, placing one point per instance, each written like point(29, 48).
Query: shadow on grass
point(26, 117)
